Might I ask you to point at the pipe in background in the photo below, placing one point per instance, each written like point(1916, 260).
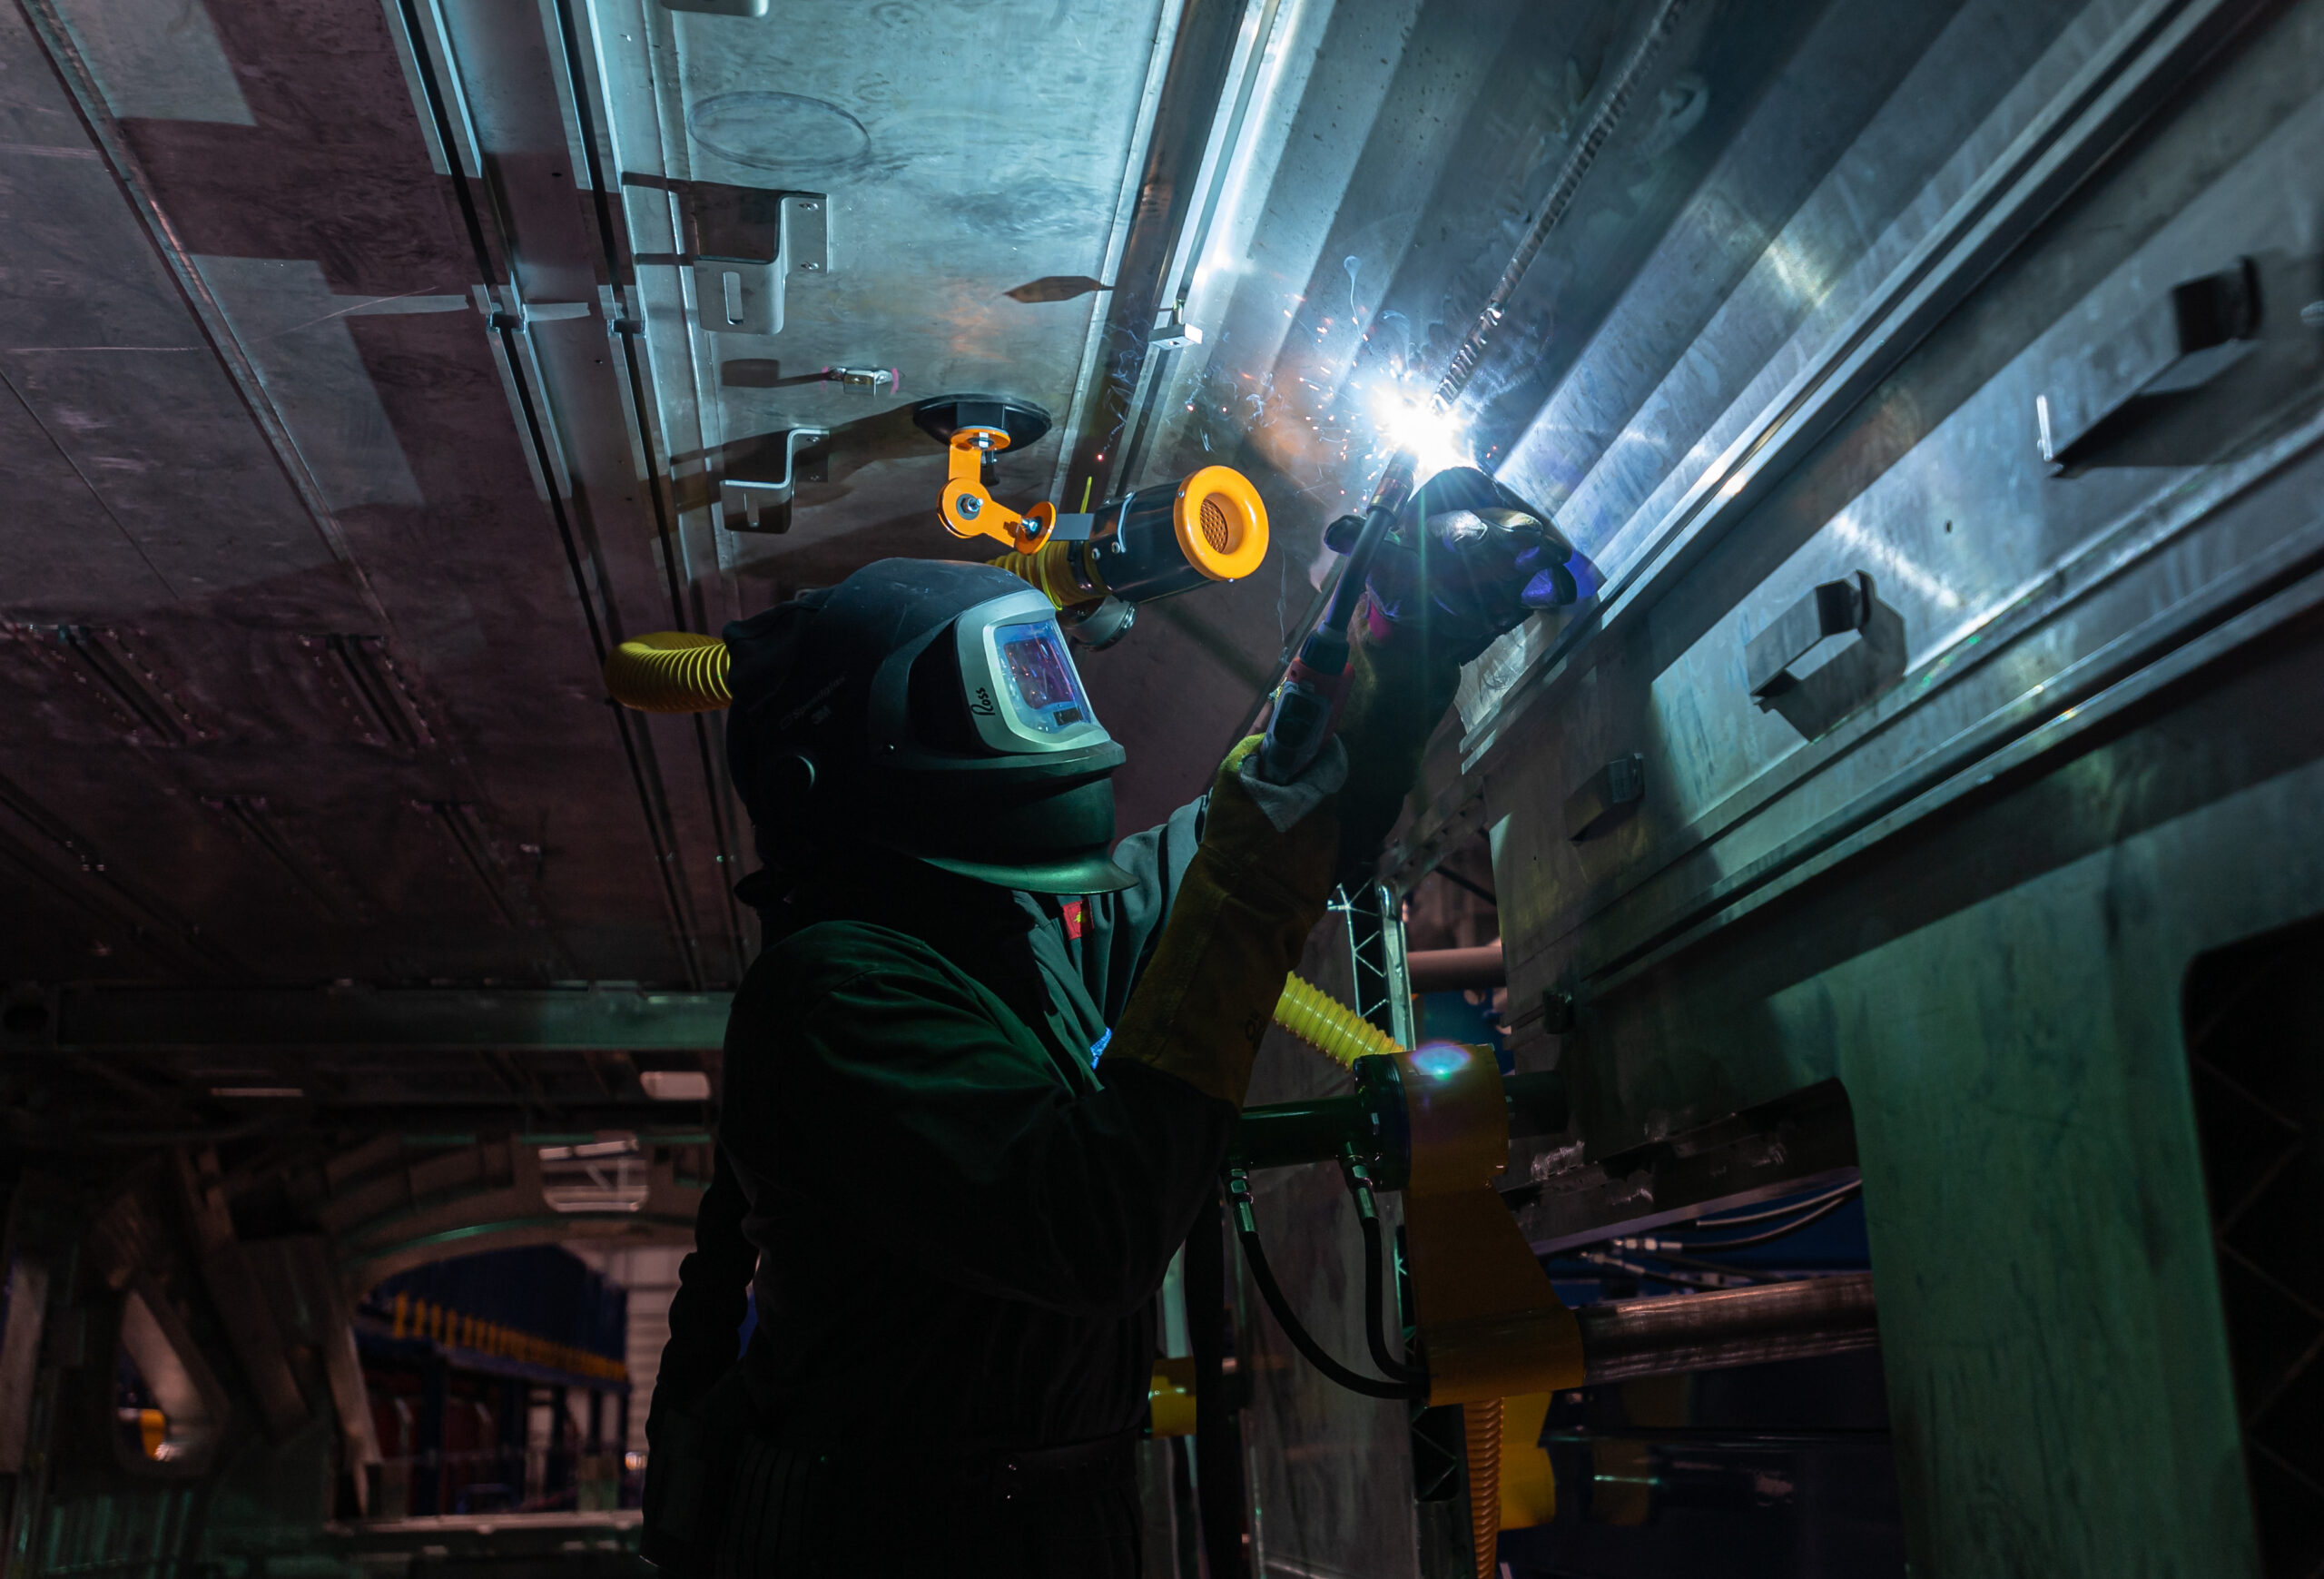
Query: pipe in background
point(1732, 1327)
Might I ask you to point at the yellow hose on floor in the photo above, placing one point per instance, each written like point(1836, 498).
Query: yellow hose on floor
point(1328, 1025)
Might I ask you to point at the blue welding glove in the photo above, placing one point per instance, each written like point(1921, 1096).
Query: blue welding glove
point(1466, 561)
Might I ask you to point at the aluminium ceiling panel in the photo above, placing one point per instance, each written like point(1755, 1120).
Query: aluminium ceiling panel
point(966, 151)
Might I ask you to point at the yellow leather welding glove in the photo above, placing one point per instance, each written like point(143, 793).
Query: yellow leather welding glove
point(1256, 888)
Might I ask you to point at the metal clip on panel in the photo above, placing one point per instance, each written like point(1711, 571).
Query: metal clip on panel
point(746, 243)
point(741, 499)
point(2177, 342)
point(1834, 609)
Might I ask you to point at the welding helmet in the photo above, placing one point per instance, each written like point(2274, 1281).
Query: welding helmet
point(928, 708)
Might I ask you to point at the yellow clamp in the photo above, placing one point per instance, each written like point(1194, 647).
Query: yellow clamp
point(967, 511)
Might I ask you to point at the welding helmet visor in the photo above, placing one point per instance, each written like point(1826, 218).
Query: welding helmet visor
point(930, 707)
point(985, 725)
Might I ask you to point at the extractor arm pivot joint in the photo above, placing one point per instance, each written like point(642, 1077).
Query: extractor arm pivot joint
point(969, 509)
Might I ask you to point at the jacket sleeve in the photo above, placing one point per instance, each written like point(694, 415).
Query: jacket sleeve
point(1124, 927)
point(891, 1097)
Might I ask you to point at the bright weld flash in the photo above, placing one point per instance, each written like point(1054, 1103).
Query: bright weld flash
point(1434, 437)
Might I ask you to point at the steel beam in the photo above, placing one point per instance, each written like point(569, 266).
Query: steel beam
point(581, 1019)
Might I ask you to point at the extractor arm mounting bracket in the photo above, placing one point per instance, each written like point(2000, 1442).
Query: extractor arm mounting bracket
point(973, 429)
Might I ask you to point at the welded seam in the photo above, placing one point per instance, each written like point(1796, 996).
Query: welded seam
point(217, 329)
point(1470, 352)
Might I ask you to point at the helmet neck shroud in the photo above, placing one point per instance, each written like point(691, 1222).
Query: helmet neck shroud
point(928, 707)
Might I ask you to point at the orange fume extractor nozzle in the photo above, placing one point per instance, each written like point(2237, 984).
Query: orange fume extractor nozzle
point(1152, 542)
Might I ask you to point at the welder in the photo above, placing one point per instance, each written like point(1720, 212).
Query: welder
point(984, 1073)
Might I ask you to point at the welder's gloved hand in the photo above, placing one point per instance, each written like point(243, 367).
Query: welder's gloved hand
point(1256, 888)
point(1466, 560)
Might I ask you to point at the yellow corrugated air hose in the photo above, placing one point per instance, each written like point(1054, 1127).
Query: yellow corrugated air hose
point(670, 671)
point(1328, 1025)
point(1047, 569)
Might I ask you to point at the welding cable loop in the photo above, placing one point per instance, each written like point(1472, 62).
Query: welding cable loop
point(1367, 1213)
point(1246, 1228)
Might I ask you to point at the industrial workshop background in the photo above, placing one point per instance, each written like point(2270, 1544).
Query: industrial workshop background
point(1883, 916)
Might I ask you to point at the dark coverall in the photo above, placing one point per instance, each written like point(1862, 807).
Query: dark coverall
point(957, 1229)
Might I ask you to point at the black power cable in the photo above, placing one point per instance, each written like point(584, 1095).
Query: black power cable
point(1246, 1228)
point(1375, 1257)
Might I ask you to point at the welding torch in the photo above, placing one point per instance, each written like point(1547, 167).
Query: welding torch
point(1307, 703)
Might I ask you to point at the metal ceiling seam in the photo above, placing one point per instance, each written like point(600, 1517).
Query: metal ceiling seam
point(63, 55)
point(178, 933)
point(438, 74)
point(2083, 124)
point(1221, 156)
point(72, 464)
point(591, 122)
point(643, 395)
point(1093, 344)
point(638, 745)
point(581, 143)
point(1201, 52)
point(665, 88)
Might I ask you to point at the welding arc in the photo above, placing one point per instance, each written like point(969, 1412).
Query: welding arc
point(1340, 598)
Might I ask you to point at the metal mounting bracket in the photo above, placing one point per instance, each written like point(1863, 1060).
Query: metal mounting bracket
point(747, 242)
point(741, 499)
point(1834, 609)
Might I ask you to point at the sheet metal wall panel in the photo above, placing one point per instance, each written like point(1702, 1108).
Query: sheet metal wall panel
point(1934, 489)
point(928, 205)
point(1784, 216)
point(1999, 996)
point(2102, 43)
point(1989, 969)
